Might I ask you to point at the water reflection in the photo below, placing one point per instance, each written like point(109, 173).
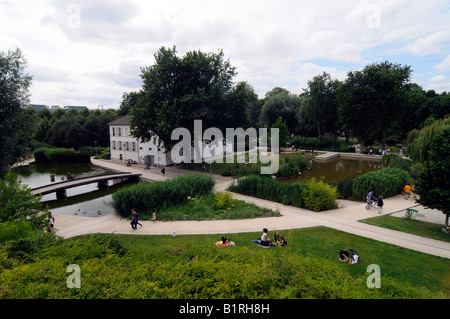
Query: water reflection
point(86, 201)
point(337, 169)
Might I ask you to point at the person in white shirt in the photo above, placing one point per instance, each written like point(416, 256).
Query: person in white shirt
point(265, 241)
point(354, 258)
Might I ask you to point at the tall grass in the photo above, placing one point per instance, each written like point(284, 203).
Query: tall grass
point(148, 197)
point(267, 188)
point(386, 182)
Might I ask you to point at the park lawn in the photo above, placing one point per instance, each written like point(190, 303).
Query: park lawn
point(397, 263)
point(192, 267)
point(411, 226)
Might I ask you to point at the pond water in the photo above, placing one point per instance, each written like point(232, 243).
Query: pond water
point(336, 169)
point(86, 201)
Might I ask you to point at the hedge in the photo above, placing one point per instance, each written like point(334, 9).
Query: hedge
point(60, 156)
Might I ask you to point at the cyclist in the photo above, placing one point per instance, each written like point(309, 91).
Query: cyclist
point(370, 198)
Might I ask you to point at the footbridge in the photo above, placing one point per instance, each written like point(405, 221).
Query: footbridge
point(101, 180)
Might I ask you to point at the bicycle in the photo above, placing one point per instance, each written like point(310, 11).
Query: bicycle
point(371, 203)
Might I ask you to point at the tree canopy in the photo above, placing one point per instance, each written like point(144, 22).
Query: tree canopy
point(15, 137)
point(178, 90)
point(433, 185)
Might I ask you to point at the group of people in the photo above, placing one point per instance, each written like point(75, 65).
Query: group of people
point(409, 192)
point(345, 256)
point(135, 219)
point(379, 201)
point(51, 223)
point(264, 240)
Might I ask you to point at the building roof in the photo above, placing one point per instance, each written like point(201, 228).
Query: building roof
point(124, 120)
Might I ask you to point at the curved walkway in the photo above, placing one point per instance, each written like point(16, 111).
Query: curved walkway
point(344, 219)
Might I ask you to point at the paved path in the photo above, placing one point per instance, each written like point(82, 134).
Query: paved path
point(344, 219)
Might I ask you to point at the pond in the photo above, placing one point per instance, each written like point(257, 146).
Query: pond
point(86, 201)
point(336, 169)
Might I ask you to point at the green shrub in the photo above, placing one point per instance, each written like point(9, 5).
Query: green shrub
point(395, 161)
point(319, 196)
point(16, 229)
point(345, 187)
point(224, 201)
point(312, 142)
point(291, 165)
point(61, 156)
point(148, 197)
point(386, 182)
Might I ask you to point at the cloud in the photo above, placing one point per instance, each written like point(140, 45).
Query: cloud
point(444, 65)
point(93, 50)
point(439, 83)
point(432, 44)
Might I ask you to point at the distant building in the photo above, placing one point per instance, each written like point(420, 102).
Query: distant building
point(126, 147)
point(39, 107)
point(78, 108)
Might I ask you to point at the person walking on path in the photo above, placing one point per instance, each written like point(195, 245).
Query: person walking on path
point(407, 191)
point(380, 204)
point(163, 171)
point(135, 219)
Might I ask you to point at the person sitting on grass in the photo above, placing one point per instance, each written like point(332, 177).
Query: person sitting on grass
point(343, 255)
point(265, 241)
point(354, 258)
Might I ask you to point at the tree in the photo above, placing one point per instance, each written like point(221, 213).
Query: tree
point(244, 106)
point(178, 90)
point(433, 185)
point(279, 102)
point(283, 131)
point(17, 202)
point(370, 99)
point(419, 141)
point(322, 104)
point(15, 138)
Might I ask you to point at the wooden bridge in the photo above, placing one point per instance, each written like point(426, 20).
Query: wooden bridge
point(61, 187)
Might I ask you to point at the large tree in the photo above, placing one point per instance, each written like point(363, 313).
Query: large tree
point(433, 185)
point(279, 102)
point(370, 99)
point(322, 104)
point(15, 137)
point(177, 90)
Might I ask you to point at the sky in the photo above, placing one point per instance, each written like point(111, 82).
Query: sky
point(91, 52)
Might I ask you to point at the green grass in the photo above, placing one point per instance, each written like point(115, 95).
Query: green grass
point(206, 208)
point(189, 267)
point(411, 226)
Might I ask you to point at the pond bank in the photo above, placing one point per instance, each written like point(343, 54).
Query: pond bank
point(331, 155)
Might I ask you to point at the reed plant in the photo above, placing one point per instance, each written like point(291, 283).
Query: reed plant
point(149, 197)
point(386, 182)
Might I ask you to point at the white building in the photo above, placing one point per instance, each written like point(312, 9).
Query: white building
point(126, 147)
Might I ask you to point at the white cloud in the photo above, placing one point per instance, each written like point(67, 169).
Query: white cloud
point(444, 65)
point(439, 83)
point(92, 51)
point(432, 44)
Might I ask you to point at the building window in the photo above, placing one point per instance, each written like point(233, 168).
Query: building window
point(120, 131)
point(127, 146)
point(120, 145)
point(134, 146)
point(113, 131)
point(114, 145)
